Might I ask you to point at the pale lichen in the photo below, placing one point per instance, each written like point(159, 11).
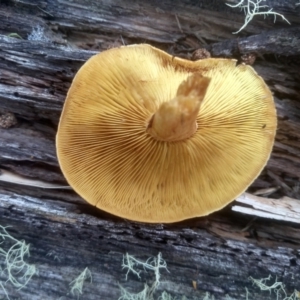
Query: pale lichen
point(12, 261)
point(38, 34)
point(277, 287)
point(77, 283)
point(153, 264)
point(252, 9)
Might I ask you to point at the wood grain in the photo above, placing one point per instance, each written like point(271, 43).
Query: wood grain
point(218, 252)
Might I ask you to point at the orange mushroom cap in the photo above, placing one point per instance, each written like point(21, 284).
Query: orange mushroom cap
point(155, 138)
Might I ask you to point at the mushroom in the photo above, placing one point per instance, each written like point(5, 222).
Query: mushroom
point(155, 138)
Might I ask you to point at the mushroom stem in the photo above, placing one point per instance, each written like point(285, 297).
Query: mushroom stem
point(176, 120)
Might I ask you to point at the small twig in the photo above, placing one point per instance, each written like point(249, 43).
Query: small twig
point(122, 40)
point(178, 24)
point(45, 11)
point(267, 191)
point(280, 182)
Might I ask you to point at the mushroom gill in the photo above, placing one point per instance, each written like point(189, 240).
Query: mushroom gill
point(155, 138)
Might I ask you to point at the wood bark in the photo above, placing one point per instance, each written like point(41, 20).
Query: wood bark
point(218, 252)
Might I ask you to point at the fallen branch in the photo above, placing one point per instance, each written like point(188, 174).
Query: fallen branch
point(11, 177)
point(285, 208)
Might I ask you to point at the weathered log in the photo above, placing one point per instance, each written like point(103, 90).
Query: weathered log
point(215, 254)
point(219, 252)
point(41, 99)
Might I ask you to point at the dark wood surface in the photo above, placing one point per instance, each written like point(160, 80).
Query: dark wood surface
point(218, 252)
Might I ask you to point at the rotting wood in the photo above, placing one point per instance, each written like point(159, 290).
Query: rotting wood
point(41, 99)
point(218, 252)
